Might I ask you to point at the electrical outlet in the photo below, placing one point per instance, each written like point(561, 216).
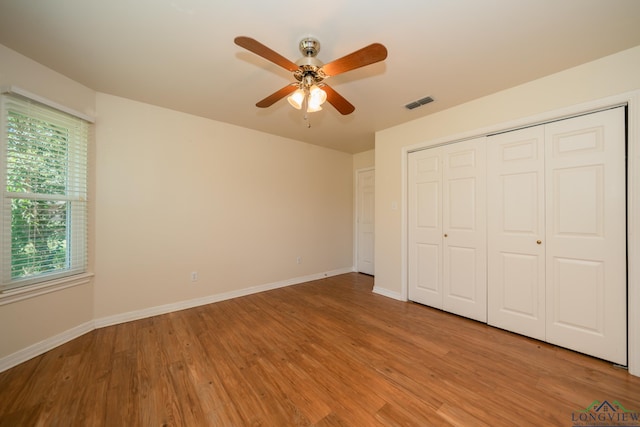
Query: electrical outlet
point(194, 276)
point(299, 260)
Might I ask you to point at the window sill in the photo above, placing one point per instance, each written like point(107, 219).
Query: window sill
point(12, 295)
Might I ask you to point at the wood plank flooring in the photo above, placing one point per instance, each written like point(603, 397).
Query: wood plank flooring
point(323, 353)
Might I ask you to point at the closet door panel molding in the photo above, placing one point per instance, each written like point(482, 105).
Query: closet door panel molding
point(425, 228)
point(586, 234)
point(516, 229)
point(464, 229)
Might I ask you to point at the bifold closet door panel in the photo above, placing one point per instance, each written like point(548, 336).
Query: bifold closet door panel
point(464, 251)
point(516, 229)
point(425, 227)
point(586, 234)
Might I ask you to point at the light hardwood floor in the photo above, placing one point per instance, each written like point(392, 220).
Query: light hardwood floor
point(324, 353)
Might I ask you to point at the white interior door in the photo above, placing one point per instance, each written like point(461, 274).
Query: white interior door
point(366, 221)
point(516, 230)
point(425, 227)
point(586, 234)
point(464, 251)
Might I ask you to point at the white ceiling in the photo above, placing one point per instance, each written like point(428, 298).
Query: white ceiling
point(180, 54)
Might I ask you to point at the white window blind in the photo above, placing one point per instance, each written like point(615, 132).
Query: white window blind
point(43, 231)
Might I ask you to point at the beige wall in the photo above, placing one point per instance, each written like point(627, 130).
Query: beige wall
point(599, 79)
point(366, 159)
point(178, 193)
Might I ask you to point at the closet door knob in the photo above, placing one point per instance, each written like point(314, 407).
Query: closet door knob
point(539, 242)
point(445, 234)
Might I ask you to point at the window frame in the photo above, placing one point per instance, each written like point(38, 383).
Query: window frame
point(75, 198)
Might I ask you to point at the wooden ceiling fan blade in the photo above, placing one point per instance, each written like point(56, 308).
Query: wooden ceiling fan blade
point(342, 105)
point(277, 96)
point(265, 52)
point(367, 55)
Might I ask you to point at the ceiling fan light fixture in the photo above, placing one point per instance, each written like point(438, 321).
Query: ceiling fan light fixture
point(314, 97)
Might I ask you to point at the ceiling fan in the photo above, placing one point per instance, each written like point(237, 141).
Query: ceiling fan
point(310, 89)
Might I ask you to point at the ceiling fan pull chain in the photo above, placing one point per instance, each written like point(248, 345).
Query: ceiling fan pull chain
point(307, 118)
point(305, 107)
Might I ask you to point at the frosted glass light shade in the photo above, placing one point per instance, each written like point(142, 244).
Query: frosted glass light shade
point(317, 97)
point(296, 99)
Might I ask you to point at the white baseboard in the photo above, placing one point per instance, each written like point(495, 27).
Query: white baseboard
point(37, 349)
point(182, 305)
point(43, 346)
point(388, 293)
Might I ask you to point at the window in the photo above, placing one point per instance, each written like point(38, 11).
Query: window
point(43, 163)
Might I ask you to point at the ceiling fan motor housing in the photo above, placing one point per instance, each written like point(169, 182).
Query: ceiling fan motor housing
point(310, 71)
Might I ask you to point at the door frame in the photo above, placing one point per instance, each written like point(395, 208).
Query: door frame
point(632, 102)
point(356, 210)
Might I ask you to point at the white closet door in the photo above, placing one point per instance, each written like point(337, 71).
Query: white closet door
point(464, 272)
point(516, 228)
point(586, 242)
point(425, 227)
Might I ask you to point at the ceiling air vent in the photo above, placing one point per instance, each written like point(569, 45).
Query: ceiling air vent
point(418, 103)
